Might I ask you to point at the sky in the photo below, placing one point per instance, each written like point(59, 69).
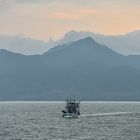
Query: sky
point(43, 19)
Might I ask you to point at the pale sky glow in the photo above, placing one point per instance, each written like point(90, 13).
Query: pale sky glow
point(52, 18)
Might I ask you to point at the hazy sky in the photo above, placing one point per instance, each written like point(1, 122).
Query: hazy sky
point(52, 18)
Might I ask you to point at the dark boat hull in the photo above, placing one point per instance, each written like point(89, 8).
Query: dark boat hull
point(70, 115)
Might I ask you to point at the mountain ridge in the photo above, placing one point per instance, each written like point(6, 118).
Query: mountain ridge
point(83, 69)
point(126, 44)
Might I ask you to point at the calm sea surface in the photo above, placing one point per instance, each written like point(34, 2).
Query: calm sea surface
point(43, 121)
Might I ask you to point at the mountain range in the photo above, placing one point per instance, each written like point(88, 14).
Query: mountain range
point(25, 45)
point(127, 44)
point(82, 69)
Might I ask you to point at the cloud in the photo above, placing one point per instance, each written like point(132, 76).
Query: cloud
point(33, 1)
point(78, 2)
point(5, 4)
point(54, 1)
point(62, 15)
point(75, 14)
point(45, 18)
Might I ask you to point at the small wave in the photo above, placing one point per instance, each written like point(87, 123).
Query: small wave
point(105, 114)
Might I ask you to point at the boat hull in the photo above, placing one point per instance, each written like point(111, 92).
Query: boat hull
point(70, 115)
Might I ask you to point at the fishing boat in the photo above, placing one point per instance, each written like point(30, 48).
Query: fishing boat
point(72, 109)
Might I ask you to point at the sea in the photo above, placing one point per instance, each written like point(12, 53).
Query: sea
point(44, 121)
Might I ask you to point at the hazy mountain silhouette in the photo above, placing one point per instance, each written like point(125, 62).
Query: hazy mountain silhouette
point(127, 44)
point(25, 45)
point(82, 69)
